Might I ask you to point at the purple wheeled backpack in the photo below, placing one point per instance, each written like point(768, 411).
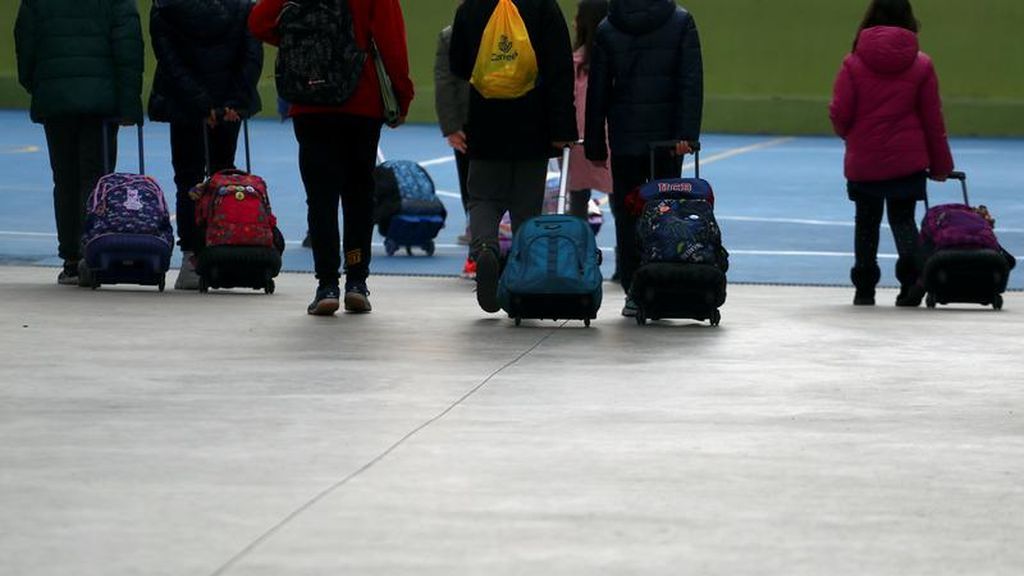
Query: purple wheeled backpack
point(128, 237)
point(964, 261)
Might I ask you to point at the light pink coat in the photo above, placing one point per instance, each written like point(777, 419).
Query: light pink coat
point(582, 172)
point(886, 106)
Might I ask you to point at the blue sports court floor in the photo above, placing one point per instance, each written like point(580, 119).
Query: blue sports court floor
point(781, 201)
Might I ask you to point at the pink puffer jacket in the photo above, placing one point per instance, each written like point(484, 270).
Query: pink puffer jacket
point(886, 106)
point(583, 173)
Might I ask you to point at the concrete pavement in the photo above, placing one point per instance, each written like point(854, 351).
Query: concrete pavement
point(179, 434)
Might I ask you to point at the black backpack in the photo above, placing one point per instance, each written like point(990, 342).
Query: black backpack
point(318, 61)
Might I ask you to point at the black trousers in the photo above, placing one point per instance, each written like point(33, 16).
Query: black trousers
point(865, 272)
point(462, 166)
point(337, 155)
point(496, 187)
point(628, 172)
point(189, 162)
point(75, 145)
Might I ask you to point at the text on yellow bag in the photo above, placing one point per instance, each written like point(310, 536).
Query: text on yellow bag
point(506, 65)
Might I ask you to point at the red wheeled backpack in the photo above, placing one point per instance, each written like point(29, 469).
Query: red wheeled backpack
point(240, 245)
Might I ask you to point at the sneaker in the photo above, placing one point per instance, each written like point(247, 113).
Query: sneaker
point(487, 272)
point(910, 296)
point(326, 301)
point(629, 309)
point(187, 277)
point(357, 299)
point(864, 298)
point(469, 270)
point(69, 275)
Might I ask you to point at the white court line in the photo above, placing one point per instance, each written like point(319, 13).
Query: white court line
point(610, 250)
point(800, 253)
point(20, 150)
point(30, 234)
point(437, 161)
point(739, 151)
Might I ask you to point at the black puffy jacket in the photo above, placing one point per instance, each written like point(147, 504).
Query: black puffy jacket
point(206, 59)
point(646, 79)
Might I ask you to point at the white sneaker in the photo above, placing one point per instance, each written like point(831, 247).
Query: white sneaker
point(187, 277)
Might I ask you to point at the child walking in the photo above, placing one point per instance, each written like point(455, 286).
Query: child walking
point(886, 106)
point(207, 67)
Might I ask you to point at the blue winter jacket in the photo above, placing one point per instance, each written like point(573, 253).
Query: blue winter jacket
point(646, 79)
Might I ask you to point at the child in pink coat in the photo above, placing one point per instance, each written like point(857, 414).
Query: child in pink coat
point(585, 175)
point(886, 106)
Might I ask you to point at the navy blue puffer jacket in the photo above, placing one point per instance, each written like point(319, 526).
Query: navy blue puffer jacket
point(646, 79)
point(206, 59)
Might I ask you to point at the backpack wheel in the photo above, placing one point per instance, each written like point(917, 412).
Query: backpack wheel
point(408, 250)
point(204, 286)
point(929, 301)
point(997, 302)
point(716, 318)
point(270, 287)
point(430, 247)
point(518, 321)
point(586, 322)
point(641, 318)
point(162, 284)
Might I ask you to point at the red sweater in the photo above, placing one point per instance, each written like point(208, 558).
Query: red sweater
point(381, 19)
point(886, 106)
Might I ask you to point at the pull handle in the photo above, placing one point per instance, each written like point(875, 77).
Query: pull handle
point(671, 144)
point(955, 175)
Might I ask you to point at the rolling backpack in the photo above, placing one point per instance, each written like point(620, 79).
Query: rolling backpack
point(128, 237)
point(554, 267)
point(683, 261)
point(239, 244)
point(963, 259)
point(407, 210)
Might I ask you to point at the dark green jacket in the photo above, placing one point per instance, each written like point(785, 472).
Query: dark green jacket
point(80, 57)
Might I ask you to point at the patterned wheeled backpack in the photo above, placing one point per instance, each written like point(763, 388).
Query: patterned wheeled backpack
point(683, 231)
point(234, 209)
point(127, 204)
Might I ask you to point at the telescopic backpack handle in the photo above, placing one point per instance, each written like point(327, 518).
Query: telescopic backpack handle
point(955, 175)
point(206, 146)
point(671, 145)
point(108, 162)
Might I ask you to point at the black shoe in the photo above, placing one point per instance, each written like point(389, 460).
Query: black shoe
point(487, 272)
point(357, 298)
point(326, 301)
point(69, 275)
point(864, 298)
point(910, 296)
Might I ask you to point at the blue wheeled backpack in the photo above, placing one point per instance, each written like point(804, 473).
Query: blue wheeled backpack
point(407, 210)
point(553, 269)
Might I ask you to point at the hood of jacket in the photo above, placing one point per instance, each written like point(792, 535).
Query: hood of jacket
point(204, 19)
point(638, 17)
point(887, 49)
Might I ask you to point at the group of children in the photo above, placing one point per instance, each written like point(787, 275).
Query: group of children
point(633, 76)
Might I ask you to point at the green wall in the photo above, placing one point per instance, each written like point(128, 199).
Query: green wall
point(769, 65)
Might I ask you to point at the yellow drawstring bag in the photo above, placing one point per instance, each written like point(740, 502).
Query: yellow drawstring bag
point(506, 65)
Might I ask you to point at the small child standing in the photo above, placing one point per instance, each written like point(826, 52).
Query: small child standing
point(886, 106)
point(584, 175)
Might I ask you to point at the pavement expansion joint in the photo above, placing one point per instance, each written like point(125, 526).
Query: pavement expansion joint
point(252, 546)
